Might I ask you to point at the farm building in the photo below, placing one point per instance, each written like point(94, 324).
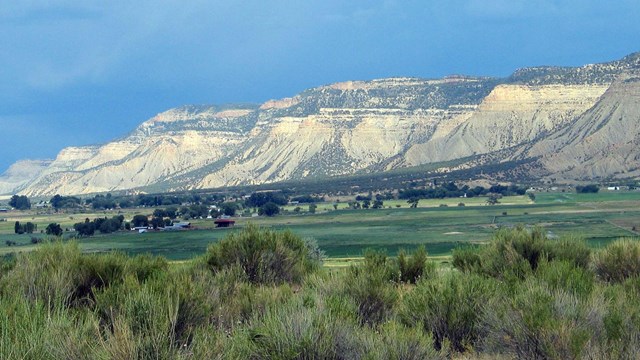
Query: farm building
point(224, 222)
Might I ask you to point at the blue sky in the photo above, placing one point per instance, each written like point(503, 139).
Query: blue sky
point(80, 72)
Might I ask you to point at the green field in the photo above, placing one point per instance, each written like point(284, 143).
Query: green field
point(599, 218)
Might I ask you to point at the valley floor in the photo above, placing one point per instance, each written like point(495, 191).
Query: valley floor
point(344, 234)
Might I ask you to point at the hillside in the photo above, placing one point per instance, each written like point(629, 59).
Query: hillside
point(560, 116)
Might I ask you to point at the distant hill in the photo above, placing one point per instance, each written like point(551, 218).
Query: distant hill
point(569, 124)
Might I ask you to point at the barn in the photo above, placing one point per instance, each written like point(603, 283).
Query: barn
point(224, 223)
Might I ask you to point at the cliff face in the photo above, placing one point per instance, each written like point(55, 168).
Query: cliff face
point(601, 143)
point(175, 141)
point(564, 117)
point(511, 115)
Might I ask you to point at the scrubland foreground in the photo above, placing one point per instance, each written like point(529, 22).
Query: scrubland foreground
point(263, 294)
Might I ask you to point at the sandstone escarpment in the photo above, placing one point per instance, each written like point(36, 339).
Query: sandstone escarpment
point(511, 115)
point(565, 123)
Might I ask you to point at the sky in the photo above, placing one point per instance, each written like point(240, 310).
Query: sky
point(77, 72)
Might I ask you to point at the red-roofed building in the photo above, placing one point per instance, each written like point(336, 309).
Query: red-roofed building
point(224, 222)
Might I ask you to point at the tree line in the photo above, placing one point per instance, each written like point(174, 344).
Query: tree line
point(451, 190)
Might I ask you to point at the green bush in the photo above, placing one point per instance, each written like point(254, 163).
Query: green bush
point(501, 260)
point(293, 331)
point(537, 322)
point(513, 254)
point(571, 249)
point(395, 341)
point(415, 266)
point(620, 260)
point(265, 256)
point(466, 259)
point(450, 308)
point(58, 274)
point(564, 275)
point(372, 287)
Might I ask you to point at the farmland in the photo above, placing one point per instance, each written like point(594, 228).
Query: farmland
point(344, 233)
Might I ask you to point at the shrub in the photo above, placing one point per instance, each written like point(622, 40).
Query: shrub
point(512, 254)
point(59, 275)
point(571, 249)
point(466, 259)
point(395, 341)
point(536, 322)
point(364, 293)
point(412, 268)
point(564, 275)
point(33, 331)
point(45, 275)
point(371, 286)
point(450, 308)
point(618, 261)
point(294, 331)
point(265, 256)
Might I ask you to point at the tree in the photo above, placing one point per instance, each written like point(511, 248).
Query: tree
point(269, 209)
point(377, 204)
point(140, 220)
point(29, 227)
point(59, 202)
point(54, 229)
point(86, 228)
point(261, 198)
point(312, 208)
point(159, 213)
point(493, 199)
point(587, 189)
point(125, 203)
point(413, 203)
point(20, 202)
point(111, 225)
point(157, 222)
point(229, 208)
point(171, 212)
point(17, 228)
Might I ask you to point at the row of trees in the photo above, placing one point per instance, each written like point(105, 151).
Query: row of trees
point(28, 228)
point(450, 190)
point(104, 225)
point(587, 189)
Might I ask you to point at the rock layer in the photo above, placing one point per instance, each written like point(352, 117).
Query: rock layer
point(573, 121)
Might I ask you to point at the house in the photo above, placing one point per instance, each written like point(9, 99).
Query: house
point(613, 188)
point(224, 223)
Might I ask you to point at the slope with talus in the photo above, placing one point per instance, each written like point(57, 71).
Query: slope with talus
point(602, 143)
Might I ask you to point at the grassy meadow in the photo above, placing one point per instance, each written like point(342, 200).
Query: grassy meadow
point(343, 233)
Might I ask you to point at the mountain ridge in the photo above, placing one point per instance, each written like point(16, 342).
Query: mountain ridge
point(354, 126)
